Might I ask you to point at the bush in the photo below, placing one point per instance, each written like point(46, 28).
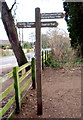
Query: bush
point(27, 45)
point(9, 46)
point(62, 55)
point(3, 46)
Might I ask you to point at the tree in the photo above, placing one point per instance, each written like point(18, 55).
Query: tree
point(74, 19)
point(12, 34)
point(45, 39)
point(26, 45)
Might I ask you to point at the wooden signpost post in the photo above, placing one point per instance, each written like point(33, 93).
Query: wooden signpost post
point(38, 24)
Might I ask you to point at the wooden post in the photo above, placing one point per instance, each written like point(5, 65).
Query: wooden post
point(38, 61)
point(33, 73)
point(22, 37)
point(17, 89)
point(42, 60)
point(23, 72)
point(45, 57)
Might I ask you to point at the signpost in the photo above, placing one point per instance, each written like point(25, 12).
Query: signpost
point(38, 61)
point(38, 24)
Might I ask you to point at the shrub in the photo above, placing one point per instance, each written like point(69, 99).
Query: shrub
point(3, 46)
point(61, 52)
point(9, 46)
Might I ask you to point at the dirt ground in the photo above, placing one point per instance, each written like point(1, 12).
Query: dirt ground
point(61, 95)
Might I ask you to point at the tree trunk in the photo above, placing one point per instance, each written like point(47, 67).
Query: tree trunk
point(12, 34)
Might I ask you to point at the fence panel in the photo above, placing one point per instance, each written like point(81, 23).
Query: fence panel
point(18, 90)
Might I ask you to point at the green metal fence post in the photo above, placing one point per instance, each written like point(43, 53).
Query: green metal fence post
point(17, 89)
point(42, 60)
point(33, 73)
point(45, 57)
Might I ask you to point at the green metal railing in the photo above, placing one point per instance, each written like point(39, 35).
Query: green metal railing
point(45, 56)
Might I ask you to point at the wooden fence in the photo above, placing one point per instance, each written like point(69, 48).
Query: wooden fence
point(16, 85)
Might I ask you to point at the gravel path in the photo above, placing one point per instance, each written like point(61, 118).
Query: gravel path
point(61, 95)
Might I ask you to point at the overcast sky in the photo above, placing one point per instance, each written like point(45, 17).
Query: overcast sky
point(25, 12)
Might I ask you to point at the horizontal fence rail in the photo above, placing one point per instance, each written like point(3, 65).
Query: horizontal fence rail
point(6, 92)
point(24, 76)
point(24, 66)
point(6, 77)
point(16, 85)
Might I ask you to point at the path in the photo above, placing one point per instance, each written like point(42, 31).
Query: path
point(10, 61)
point(61, 95)
point(7, 63)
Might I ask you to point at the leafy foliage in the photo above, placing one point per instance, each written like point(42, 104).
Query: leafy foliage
point(54, 62)
point(3, 46)
point(9, 46)
point(27, 45)
point(74, 19)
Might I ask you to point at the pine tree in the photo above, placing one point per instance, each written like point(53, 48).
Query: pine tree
point(74, 19)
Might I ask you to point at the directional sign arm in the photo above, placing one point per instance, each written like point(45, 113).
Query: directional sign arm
point(52, 15)
point(25, 24)
point(49, 24)
point(32, 24)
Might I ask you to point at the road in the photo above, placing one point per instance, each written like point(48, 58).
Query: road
point(10, 61)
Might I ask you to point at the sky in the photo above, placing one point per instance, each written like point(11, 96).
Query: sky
point(25, 12)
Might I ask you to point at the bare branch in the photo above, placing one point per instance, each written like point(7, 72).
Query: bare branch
point(12, 6)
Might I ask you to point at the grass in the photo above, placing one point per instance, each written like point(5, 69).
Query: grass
point(5, 55)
